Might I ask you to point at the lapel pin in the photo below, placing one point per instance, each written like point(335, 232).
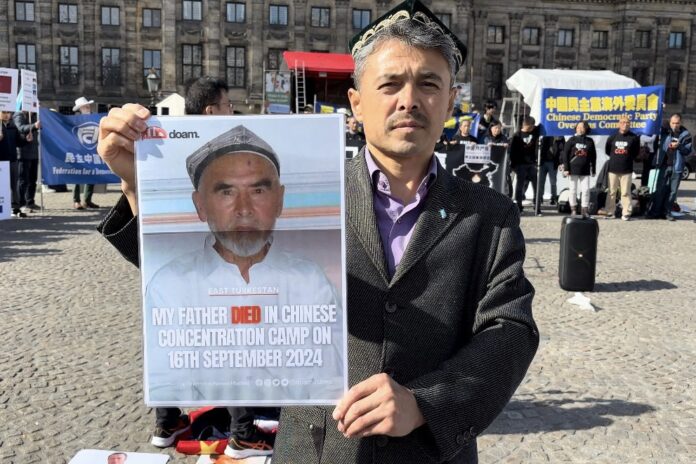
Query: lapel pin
point(443, 214)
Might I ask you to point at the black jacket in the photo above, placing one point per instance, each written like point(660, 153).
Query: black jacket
point(30, 151)
point(622, 150)
point(10, 141)
point(459, 138)
point(523, 147)
point(580, 156)
point(552, 149)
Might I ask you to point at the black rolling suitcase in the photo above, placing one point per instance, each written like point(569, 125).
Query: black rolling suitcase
point(576, 267)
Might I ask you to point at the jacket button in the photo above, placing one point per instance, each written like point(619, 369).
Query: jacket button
point(389, 371)
point(382, 441)
point(472, 433)
point(390, 307)
point(461, 439)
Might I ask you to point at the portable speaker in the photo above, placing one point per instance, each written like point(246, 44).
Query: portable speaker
point(578, 256)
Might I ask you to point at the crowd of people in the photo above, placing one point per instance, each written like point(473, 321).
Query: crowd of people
point(19, 144)
point(575, 158)
point(533, 156)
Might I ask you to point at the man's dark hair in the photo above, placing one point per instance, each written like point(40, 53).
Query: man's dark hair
point(677, 115)
point(490, 104)
point(528, 121)
point(201, 92)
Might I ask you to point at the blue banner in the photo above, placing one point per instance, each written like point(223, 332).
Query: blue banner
point(69, 150)
point(562, 110)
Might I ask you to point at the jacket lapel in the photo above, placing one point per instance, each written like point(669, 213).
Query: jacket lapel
point(361, 214)
point(438, 214)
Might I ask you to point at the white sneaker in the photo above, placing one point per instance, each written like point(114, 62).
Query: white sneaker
point(46, 189)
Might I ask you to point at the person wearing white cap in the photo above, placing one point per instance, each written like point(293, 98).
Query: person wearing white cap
point(83, 106)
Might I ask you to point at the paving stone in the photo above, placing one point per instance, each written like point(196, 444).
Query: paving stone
point(607, 387)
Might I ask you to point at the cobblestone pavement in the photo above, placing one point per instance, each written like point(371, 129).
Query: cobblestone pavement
point(611, 386)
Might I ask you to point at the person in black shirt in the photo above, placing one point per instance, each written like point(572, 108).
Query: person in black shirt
point(523, 147)
point(487, 119)
point(355, 139)
point(463, 135)
point(579, 162)
point(551, 149)
point(622, 149)
point(28, 164)
point(10, 139)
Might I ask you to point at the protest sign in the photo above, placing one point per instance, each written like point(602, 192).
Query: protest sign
point(5, 191)
point(562, 110)
point(243, 280)
point(29, 95)
point(69, 150)
point(8, 89)
point(481, 164)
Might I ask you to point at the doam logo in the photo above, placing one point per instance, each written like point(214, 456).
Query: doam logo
point(155, 132)
point(87, 134)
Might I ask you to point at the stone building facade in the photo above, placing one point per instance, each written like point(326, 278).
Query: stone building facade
point(102, 49)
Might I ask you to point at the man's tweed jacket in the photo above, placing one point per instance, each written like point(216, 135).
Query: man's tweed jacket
point(454, 324)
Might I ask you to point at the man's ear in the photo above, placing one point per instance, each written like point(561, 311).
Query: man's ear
point(208, 110)
point(198, 203)
point(354, 98)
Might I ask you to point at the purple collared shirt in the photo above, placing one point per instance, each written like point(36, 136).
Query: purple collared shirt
point(395, 220)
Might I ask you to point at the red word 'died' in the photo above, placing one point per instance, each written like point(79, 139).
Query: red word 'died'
point(246, 314)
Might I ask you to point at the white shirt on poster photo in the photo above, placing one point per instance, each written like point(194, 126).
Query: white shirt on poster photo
point(203, 279)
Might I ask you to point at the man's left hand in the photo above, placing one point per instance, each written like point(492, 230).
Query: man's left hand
point(378, 406)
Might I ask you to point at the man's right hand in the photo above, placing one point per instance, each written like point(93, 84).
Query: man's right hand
point(117, 135)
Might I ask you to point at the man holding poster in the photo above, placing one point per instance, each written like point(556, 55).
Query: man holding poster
point(431, 363)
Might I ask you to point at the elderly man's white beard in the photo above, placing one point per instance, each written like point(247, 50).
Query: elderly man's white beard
point(244, 244)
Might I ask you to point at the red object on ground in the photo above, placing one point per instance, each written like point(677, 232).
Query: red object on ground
point(201, 446)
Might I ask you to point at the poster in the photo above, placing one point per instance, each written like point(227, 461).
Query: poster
point(562, 110)
point(5, 191)
point(243, 271)
point(482, 164)
point(8, 89)
point(29, 95)
point(93, 456)
point(277, 91)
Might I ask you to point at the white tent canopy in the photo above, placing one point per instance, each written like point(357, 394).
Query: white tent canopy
point(530, 83)
point(174, 102)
